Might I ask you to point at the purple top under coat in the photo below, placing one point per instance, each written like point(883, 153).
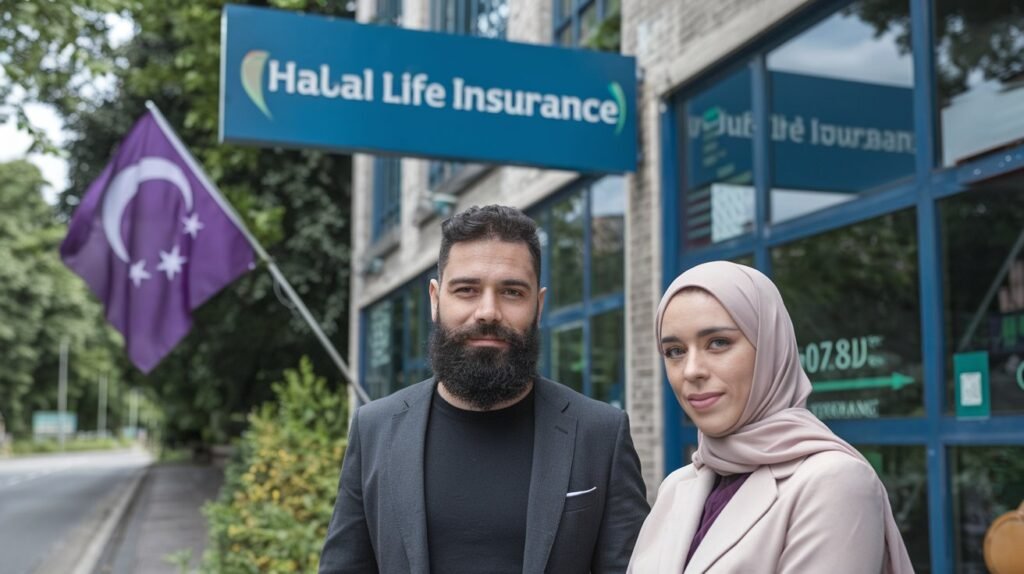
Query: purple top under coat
point(723, 491)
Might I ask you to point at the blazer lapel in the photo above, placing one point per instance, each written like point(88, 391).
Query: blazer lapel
point(747, 506)
point(554, 440)
point(687, 507)
point(404, 476)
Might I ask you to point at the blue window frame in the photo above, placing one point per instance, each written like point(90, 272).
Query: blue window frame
point(582, 232)
point(575, 21)
point(942, 194)
point(387, 195)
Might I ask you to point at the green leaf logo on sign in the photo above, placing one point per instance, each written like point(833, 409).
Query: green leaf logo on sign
point(252, 78)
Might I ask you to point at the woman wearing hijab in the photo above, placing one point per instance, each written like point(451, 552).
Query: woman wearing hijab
point(771, 488)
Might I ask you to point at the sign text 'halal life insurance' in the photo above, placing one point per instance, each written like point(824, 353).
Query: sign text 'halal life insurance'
point(298, 80)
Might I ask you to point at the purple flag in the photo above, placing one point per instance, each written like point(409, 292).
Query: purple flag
point(153, 242)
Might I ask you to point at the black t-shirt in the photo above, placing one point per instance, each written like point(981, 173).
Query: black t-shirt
point(477, 483)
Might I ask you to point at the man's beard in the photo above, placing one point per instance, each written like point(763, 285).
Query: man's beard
point(484, 376)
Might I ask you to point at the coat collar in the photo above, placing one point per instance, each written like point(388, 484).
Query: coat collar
point(746, 507)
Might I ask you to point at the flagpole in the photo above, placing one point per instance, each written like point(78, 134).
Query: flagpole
point(274, 271)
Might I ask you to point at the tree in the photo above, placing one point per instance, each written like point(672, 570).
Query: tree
point(51, 52)
point(42, 303)
point(295, 202)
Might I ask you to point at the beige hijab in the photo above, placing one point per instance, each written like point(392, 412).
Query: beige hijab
point(775, 427)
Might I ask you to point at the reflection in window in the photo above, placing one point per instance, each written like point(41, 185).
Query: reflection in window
point(580, 23)
point(567, 356)
point(980, 76)
point(439, 172)
point(397, 331)
point(853, 296)
point(387, 195)
point(607, 236)
point(718, 198)
point(827, 143)
point(482, 18)
point(903, 471)
point(986, 484)
point(608, 357)
point(576, 310)
point(567, 250)
point(983, 267)
point(389, 12)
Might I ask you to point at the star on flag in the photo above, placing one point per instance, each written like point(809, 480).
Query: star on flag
point(171, 263)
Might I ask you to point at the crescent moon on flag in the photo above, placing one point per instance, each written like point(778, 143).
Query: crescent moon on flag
point(125, 185)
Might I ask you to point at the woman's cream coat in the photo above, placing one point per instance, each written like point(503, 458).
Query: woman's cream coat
point(819, 514)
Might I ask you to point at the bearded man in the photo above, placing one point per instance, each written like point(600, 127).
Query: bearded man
point(486, 467)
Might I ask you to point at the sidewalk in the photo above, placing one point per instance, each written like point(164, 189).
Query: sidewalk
point(164, 519)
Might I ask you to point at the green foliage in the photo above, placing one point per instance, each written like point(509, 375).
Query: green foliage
point(275, 506)
point(607, 36)
point(71, 445)
point(42, 302)
point(51, 52)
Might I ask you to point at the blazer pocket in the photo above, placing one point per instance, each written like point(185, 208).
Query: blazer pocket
point(580, 499)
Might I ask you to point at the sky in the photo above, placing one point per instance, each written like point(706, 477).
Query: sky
point(14, 143)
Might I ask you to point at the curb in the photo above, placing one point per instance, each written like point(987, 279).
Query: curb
point(91, 556)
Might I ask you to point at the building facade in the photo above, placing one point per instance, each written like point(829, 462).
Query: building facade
point(867, 155)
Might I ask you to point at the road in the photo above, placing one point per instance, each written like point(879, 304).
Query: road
point(43, 499)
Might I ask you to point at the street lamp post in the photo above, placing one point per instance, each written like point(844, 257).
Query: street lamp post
point(101, 411)
point(62, 391)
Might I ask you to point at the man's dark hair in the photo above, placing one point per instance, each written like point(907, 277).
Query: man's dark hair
point(489, 222)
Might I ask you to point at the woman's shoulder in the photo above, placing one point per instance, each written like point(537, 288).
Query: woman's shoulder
point(685, 473)
point(838, 472)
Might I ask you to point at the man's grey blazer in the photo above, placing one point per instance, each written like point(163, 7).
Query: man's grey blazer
point(580, 446)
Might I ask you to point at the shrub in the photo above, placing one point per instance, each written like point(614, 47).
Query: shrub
point(279, 491)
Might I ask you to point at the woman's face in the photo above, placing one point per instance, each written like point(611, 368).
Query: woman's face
point(709, 362)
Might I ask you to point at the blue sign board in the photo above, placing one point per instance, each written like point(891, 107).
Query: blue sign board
point(297, 80)
point(827, 134)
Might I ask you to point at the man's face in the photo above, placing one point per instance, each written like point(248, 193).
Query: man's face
point(486, 309)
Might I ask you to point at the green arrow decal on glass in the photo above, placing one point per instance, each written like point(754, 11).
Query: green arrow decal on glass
point(896, 381)
point(252, 78)
point(620, 99)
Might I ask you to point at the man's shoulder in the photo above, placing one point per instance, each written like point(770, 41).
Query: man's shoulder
point(386, 407)
point(577, 404)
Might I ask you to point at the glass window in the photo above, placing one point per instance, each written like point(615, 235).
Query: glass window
point(607, 236)
point(718, 194)
point(567, 356)
point(397, 335)
point(978, 48)
point(576, 310)
point(578, 23)
point(903, 471)
point(986, 484)
point(441, 171)
point(389, 12)
point(853, 296)
point(387, 195)
point(827, 144)
point(608, 340)
point(384, 347)
point(983, 277)
point(567, 250)
point(483, 18)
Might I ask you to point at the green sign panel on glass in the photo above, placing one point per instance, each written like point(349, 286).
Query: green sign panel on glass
point(972, 384)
